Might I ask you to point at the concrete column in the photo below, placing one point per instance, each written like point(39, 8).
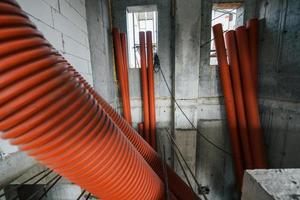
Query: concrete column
point(186, 76)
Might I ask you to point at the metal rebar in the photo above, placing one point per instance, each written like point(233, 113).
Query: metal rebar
point(88, 196)
point(47, 190)
point(9, 190)
point(36, 192)
point(82, 193)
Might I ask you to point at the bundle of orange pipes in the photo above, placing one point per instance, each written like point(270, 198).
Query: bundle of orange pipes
point(238, 76)
point(147, 128)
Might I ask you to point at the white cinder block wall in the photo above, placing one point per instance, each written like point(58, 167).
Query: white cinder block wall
point(63, 23)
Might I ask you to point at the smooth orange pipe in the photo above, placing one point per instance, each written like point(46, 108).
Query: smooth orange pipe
point(229, 103)
point(238, 97)
point(252, 26)
point(68, 130)
point(145, 93)
point(121, 72)
point(140, 127)
point(250, 97)
point(177, 186)
point(152, 114)
point(125, 69)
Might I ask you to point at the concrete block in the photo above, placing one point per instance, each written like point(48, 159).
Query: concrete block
point(77, 49)
point(281, 184)
point(69, 12)
point(79, 6)
point(81, 65)
point(52, 35)
point(37, 9)
point(206, 111)
point(64, 25)
point(52, 3)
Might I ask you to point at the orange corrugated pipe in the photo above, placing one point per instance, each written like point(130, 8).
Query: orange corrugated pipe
point(177, 186)
point(252, 26)
point(152, 115)
point(238, 97)
point(229, 102)
point(145, 94)
point(121, 76)
point(250, 97)
point(50, 114)
point(140, 127)
point(125, 69)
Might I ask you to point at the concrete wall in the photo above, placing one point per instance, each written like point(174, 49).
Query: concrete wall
point(100, 41)
point(279, 79)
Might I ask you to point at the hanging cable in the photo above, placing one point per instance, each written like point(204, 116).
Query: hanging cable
point(203, 190)
point(165, 172)
point(225, 13)
point(182, 168)
point(190, 122)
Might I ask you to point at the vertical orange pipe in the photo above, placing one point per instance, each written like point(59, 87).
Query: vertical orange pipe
point(144, 80)
point(125, 69)
point(151, 90)
point(120, 67)
point(229, 102)
point(141, 129)
point(251, 104)
point(238, 97)
point(252, 26)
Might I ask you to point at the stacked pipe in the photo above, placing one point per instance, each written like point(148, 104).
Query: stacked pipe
point(122, 71)
point(152, 115)
point(145, 91)
point(48, 110)
point(239, 83)
point(147, 83)
point(49, 113)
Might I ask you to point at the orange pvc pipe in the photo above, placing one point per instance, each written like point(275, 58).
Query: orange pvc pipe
point(238, 97)
point(252, 26)
point(250, 97)
point(141, 128)
point(229, 103)
point(125, 69)
point(152, 115)
point(52, 115)
point(121, 77)
point(145, 93)
point(177, 186)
